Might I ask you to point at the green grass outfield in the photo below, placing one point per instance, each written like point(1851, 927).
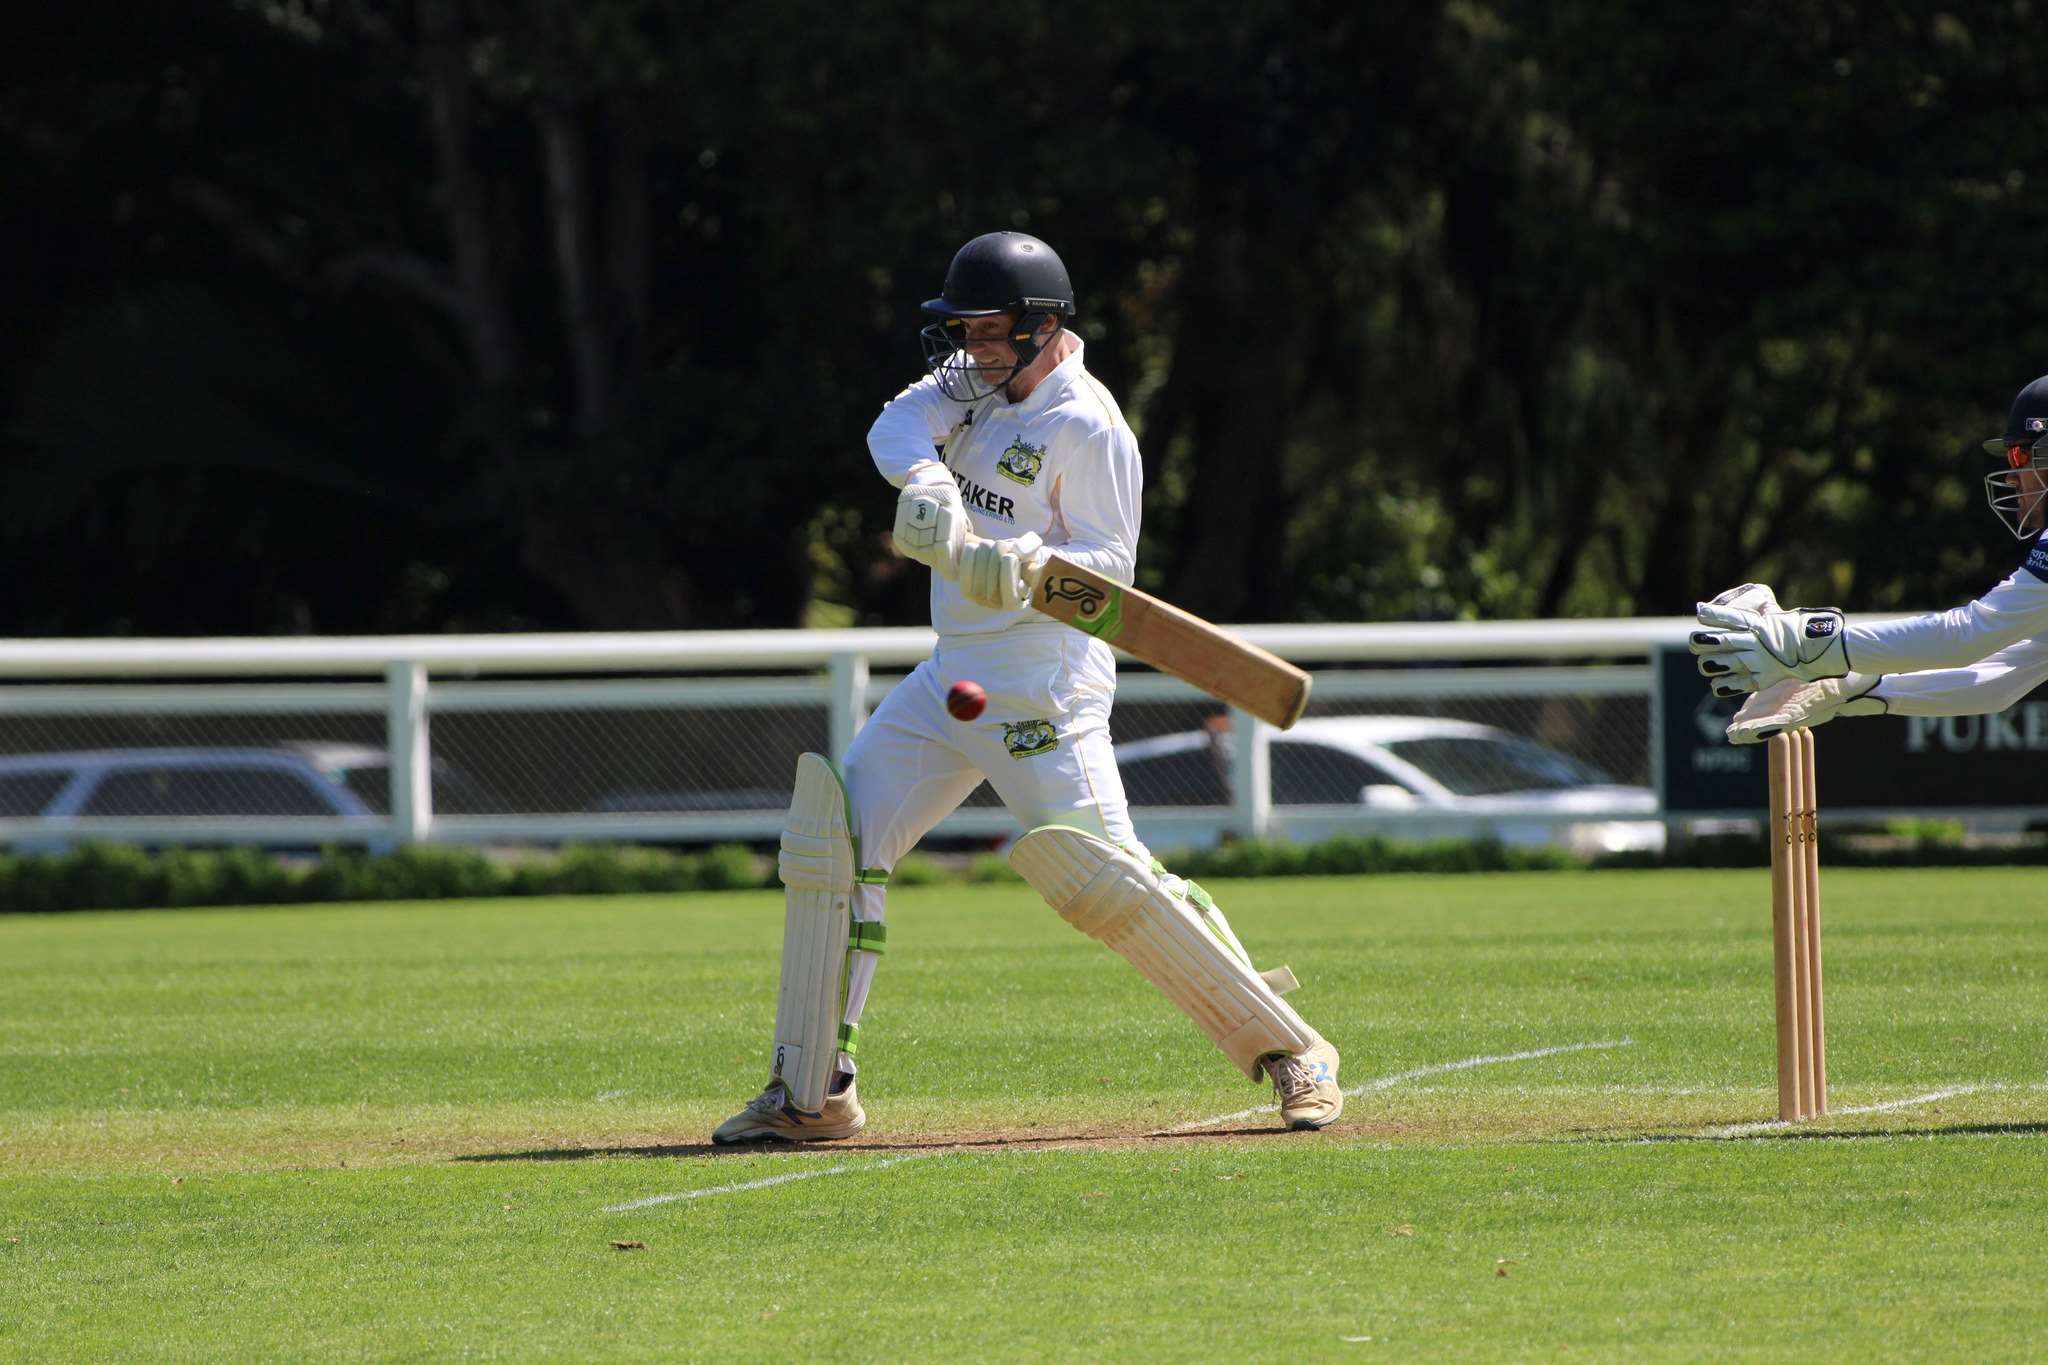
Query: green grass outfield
point(415, 1131)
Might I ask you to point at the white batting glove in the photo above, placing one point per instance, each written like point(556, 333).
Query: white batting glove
point(1798, 705)
point(1751, 643)
point(931, 526)
point(1000, 574)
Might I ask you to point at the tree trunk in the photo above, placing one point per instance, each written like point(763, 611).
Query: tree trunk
point(609, 568)
point(1234, 384)
point(486, 321)
point(629, 259)
point(568, 209)
point(1572, 533)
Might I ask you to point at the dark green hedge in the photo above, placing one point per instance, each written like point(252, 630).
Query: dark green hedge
point(118, 877)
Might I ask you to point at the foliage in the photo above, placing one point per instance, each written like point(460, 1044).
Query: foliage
point(1354, 855)
point(121, 877)
point(1928, 831)
point(915, 869)
point(347, 315)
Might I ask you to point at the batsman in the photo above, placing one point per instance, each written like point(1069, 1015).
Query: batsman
point(1803, 666)
point(1006, 450)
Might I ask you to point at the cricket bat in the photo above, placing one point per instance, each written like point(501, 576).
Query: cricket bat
point(1173, 641)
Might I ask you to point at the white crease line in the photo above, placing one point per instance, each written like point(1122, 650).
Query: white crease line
point(851, 1168)
point(651, 1200)
point(1740, 1129)
point(1388, 1082)
point(1379, 1083)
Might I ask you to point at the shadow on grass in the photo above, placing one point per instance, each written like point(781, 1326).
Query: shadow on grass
point(678, 1149)
point(909, 1142)
point(1790, 1133)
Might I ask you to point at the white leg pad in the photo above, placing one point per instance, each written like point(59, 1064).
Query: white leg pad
point(1110, 895)
point(818, 866)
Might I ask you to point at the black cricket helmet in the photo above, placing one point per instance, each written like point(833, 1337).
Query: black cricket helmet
point(2016, 501)
point(996, 273)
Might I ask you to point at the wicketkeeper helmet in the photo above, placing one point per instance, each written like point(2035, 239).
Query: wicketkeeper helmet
point(2024, 446)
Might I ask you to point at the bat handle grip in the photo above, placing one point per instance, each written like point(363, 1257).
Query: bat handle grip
point(956, 553)
point(1031, 571)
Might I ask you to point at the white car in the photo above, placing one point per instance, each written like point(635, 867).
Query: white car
point(366, 771)
point(170, 785)
point(1409, 766)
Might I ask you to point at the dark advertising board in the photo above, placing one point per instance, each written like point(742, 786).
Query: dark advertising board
point(1888, 763)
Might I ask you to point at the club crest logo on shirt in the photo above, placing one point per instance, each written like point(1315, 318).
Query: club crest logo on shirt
point(1023, 738)
point(1021, 463)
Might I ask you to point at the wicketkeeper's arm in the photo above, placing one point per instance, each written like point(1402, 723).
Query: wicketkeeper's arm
point(1980, 688)
point(2014, 611)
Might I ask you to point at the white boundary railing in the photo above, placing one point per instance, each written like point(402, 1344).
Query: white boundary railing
point(421, 675)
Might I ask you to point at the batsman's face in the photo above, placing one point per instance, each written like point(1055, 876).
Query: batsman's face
point(2030, 486)
point(986, 341)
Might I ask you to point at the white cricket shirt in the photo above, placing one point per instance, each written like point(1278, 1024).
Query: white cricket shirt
point(1062, 463)
point(1977, 658)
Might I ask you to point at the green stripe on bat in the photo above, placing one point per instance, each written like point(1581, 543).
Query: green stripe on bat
point(1109, 622)
point(1106, 619)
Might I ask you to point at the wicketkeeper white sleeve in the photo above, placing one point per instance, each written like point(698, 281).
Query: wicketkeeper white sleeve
point(1981, 688)
point(2015, 610)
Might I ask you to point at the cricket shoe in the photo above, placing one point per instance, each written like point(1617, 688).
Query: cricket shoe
point(769, 1117)
point(1307, 1085)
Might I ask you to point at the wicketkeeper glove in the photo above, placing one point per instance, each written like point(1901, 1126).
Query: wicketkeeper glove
point(1798, 705)
point(1752, 643)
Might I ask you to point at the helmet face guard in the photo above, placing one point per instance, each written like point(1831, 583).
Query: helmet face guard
point(998, 274)
point(2016, 492)
point(959, 375)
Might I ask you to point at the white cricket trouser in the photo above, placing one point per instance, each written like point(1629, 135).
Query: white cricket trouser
point(1043, 744)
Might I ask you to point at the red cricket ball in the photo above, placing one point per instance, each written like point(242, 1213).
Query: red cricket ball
point(965, 700)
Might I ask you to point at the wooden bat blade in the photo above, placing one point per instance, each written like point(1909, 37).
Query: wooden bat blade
point(1174, 641)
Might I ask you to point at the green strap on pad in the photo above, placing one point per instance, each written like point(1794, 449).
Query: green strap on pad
point(867, 936)
point(1206, 907)
point(1281, 979)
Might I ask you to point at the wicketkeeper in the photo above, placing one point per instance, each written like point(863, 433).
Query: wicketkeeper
point(1804, 666)
point(1007, 446)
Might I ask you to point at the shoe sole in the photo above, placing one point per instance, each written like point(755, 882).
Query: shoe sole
point(1311, 1125)
point(766, 1136)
